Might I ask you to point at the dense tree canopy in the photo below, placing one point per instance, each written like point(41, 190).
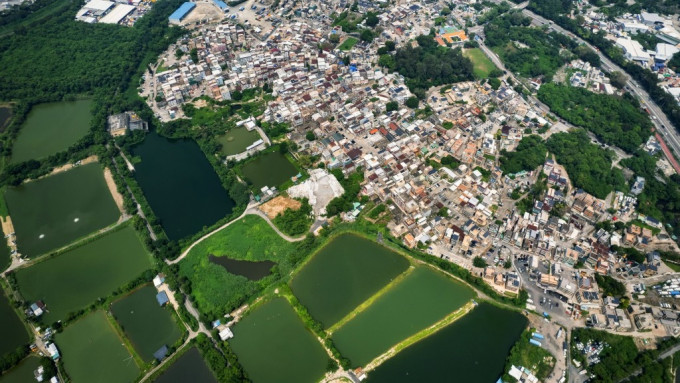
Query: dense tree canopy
point(614, 120)
point(529, 155)
point(429, 65)
point(589, 166)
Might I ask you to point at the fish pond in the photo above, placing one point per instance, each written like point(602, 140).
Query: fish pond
point(22, 373)
point(148, 325)
point(5, 258)
point(92, 352)
point(217, 290)
point(253, 270)
point(73, 280)
point(51, 128)
point(190, 367)
point(52, 212)
point(12, 330)
point(471, 349)
point(181, 186)
point(343, 274)
point(270, 169)
point(237, 140)
point(421, 299)
point(274, 346)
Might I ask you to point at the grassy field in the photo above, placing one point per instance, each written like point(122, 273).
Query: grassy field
point(76, 278)
point(482, 65)
point(12, 331)
point(274, 346)
point(51, 128)
point(344, 273)
point(54, 211)
point(92, 352)
point(424, 297)
point(537, 359)
point(190, 367)
point(251, 238)
point(147, 325)
point(237, 140)
point(348, 44)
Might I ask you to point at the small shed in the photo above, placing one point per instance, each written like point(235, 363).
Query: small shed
point(162, 298)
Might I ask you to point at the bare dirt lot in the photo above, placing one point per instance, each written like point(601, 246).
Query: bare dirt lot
point(279, 205)
point(203, 12)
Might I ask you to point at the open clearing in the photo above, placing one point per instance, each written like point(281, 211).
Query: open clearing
point(424, 297)
point(148, 325)
point(51, 128)
point(482, 65)
point(274, 346)
point(344, 273)
point(92, 352)
point(278, 205)
point(76, 278)
point(190, 367)
point(348, 44)
point(54, 211)
point(251, 239)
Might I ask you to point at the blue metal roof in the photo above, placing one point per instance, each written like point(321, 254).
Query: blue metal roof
point(182, 11)
point(220, 4)
point(162, 298)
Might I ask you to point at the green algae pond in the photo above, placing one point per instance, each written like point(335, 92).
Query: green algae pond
point(237, 140)
point(471, 349)
point(273, 345)
point(73, 280)
point(51, 128)
point(92, 352)
point(270, 169)
point(190, 367)
point(343, 274)
point(52, 212)
point(23, 372)
point(5, 258)
point(181, 186)
point(12, 330)
point(148, 325)
point(421, 299)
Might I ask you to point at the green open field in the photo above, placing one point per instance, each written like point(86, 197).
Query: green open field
point(274, 346)
point(54, 211)
point(12, 331)
point(76, 278)
point(23, 372)
point(190, 367)
point(482, 65)
point(344, 273)
point(251, 238)
point(424, 297)
point(348, 44)
point(270, 169)
point(92, 352)
point(147, 325)
point(51, 128)
point(237, 140)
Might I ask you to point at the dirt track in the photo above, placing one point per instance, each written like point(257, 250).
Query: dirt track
point(111, 184)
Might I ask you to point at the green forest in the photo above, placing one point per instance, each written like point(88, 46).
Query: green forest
point(589, 166)
point(614, 120)
point(529, 154)
point(428, 65)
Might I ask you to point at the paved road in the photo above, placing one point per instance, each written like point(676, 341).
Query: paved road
point(670, 135)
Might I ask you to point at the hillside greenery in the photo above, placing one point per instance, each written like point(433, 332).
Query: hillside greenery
point(529, 154)
point(428, 65)
point(614, 120)
point(588, 165)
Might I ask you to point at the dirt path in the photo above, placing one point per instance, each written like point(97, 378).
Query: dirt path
point(111, 184)
point(66, 167)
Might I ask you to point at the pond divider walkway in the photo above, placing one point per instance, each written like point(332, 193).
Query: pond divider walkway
point(420, 335)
